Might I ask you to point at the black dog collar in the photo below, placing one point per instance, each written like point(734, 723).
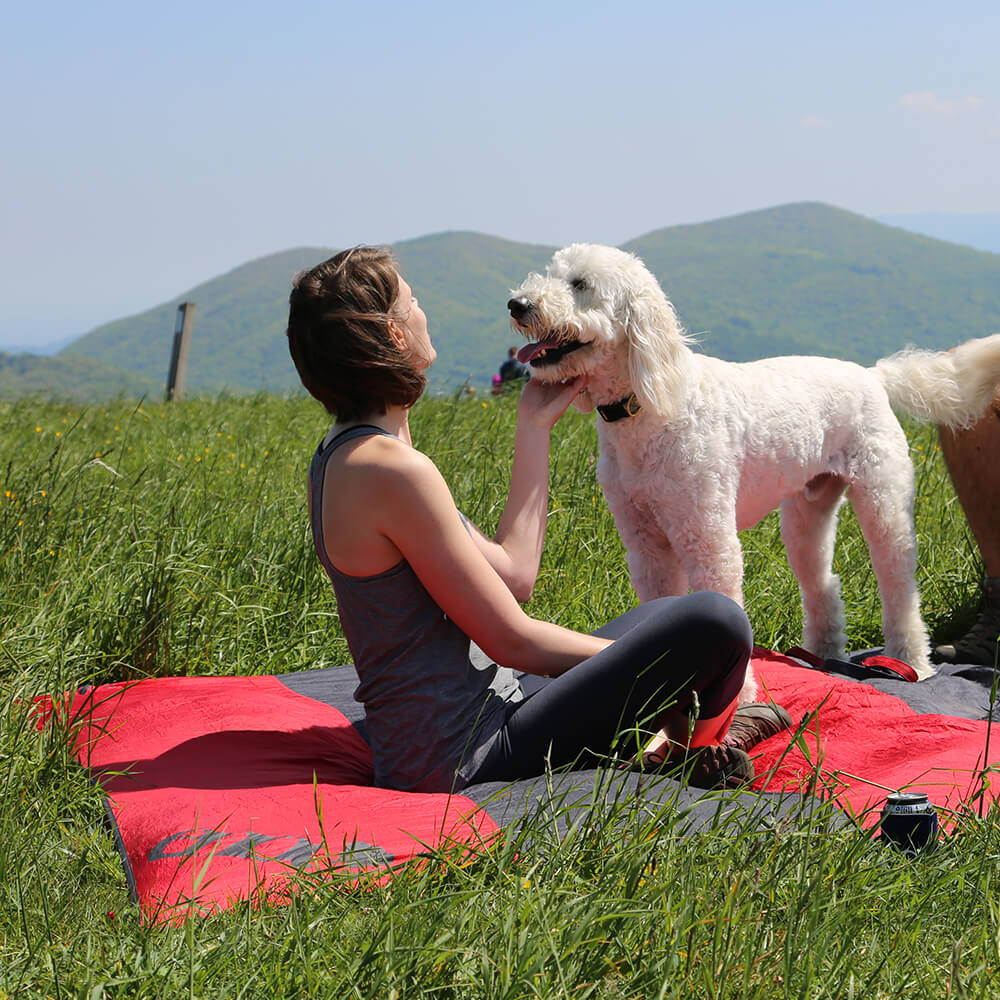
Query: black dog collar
point(627, 407)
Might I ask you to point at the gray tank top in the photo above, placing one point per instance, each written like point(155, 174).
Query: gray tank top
point(430, 712)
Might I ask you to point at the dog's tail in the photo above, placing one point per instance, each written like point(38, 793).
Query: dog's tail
point(944, 387)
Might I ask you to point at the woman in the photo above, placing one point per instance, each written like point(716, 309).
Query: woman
point(415, 581)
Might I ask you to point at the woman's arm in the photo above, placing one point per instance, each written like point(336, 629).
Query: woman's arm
point(417, 513)
point(515, 551)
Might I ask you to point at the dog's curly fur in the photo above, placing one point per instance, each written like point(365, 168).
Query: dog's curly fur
point(716, 445)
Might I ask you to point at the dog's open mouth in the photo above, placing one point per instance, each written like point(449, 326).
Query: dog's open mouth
point(547, 351)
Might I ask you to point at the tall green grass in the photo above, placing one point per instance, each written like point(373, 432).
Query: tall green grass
point(150, 540)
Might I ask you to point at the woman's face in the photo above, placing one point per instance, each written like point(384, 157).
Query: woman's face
point(415, 323)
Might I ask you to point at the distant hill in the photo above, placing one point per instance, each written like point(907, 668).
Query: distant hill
point(45, 349)
point(77, 378)
point(980, 230)
point(238, 340)
point(804, 278)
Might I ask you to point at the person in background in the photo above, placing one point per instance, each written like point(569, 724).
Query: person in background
point(416, 581)
point(973, 460)
point(512, 369)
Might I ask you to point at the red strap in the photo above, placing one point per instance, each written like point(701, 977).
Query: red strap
point(803, 654)
point(905, 671)
point(878, 666)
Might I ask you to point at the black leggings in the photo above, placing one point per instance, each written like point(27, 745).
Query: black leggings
point(665, 653)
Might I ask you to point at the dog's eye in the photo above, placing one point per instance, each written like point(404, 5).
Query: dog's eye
point(580, 284)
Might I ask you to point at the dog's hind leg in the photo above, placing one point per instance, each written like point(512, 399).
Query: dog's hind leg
point(809, 529)
point(885, 515)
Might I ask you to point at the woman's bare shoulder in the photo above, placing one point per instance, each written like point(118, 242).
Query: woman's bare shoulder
point(387, 457)
point(373, 493)
point(385, 474)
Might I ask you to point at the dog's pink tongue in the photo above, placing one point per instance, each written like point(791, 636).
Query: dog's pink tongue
point(529, 351)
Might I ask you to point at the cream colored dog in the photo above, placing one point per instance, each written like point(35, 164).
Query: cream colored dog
point(694, 449)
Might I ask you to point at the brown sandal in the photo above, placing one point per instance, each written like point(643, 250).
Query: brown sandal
point(703, 767)
point(752, 724)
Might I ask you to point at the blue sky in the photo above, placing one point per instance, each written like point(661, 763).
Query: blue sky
point(148, 148)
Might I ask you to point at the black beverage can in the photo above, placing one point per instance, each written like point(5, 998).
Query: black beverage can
point(909, 821)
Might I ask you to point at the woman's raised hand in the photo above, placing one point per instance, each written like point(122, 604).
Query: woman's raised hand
point(543, 403)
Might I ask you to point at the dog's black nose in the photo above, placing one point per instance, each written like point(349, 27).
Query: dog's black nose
point(519, 308)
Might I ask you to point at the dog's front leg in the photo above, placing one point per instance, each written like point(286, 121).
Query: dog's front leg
point(711, 555)
point(658, 570)
point(653, 565)
point(714, 561)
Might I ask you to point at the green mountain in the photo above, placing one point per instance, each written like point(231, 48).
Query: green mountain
point(812, 279)
point(238, 341)
point(238, 338)
point(800, 279)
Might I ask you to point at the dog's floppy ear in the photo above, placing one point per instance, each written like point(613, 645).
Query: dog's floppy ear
point(657, 348)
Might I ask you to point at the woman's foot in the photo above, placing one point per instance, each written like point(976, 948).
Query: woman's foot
point(752, 724)
point(704, 767)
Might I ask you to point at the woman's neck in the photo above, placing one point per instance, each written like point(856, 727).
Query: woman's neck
point(395, 420)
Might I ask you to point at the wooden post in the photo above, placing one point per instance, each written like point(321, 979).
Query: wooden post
point(179, 355)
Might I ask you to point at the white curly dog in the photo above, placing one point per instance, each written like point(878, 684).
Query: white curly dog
point(694, 449)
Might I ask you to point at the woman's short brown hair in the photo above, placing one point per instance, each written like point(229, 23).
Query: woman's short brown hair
point(338, 335)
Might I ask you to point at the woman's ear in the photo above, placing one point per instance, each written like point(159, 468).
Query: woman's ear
point(398, 337)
